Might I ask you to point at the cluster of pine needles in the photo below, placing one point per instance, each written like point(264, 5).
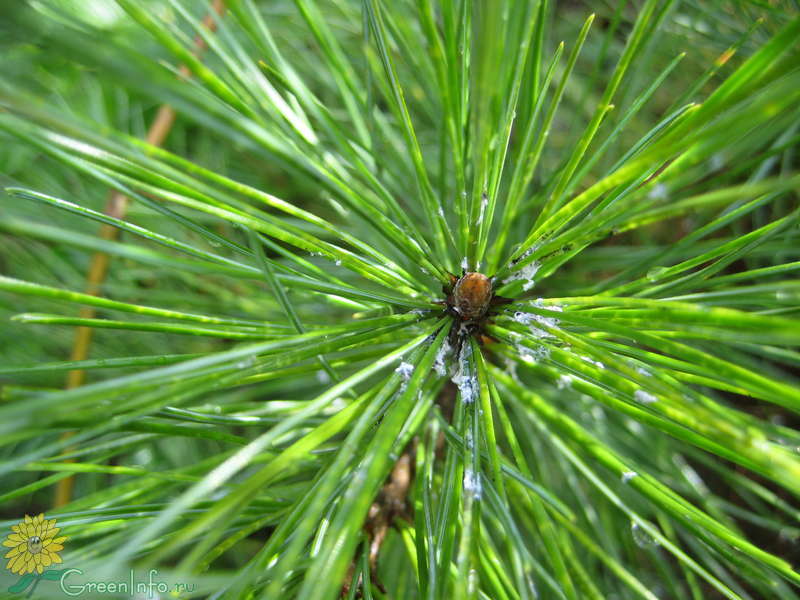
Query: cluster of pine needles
point(237, 343)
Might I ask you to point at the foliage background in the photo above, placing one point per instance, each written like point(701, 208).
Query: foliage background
point(640, 442)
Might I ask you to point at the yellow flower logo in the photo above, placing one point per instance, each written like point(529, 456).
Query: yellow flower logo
point(34, 545)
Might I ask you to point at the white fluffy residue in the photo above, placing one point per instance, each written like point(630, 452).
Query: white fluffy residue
point(564, 382)
point(541, 353)
point(525, 354)
point(522, 351)
point(468, 386)
point(531, 355)
point(525, 274)
point(405, 370)
point(658, 192)
point(591, 361)
point(644, 397)
point(532, 320)
point(523, 317)
point(484, 204)
point(463, 377)
point(472, 483)
point(440, 362)
point(628, 475)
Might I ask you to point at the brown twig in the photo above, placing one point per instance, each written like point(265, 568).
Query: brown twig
point(389, 505)
point(116, 207)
